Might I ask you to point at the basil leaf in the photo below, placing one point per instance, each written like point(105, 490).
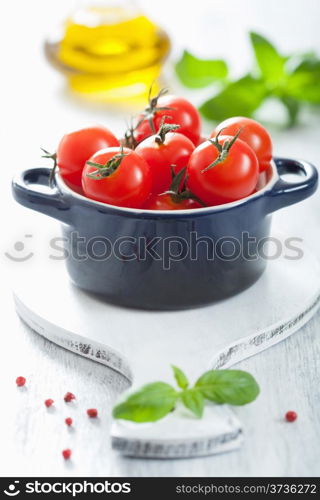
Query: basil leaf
point(304, 82)
point(310, 93)
point(293, 107)
point(308, 67)
point(234, 387)
point(239, 98)
point(194, 401)
point(270, 62)
point(151, 403)
point(180, 377)
point(196, 73)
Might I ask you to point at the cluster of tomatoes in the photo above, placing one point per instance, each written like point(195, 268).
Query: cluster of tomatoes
point(163, 163)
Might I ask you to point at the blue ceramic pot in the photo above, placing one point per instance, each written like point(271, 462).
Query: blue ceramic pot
point(166, 259)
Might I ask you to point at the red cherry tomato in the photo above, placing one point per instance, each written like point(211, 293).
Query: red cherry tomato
point(254, 134)
point(176, 110)
point(163, 152)
point(233, 178)
point(77, 147)
point(201, 140)
point(122, 178)
point(167, 202)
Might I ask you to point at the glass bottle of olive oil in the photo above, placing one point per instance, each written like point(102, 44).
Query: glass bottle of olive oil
point(109, 50)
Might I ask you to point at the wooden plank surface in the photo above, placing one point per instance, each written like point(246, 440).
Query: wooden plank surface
point(34, 436)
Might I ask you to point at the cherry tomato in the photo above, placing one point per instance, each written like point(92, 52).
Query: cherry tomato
point(201, 140)
point(177, 197)
point(167, 202)
point(118, 177)
point(254, 134)
point(176, 110)
point(77, 147)
point(233, 177)
point(163, 150)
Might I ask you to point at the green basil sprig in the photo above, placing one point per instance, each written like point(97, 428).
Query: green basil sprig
point(294, 80)
point(154, 401)
point(197, 73)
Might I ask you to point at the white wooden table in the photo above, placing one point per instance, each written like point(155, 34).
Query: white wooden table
point(31, 436)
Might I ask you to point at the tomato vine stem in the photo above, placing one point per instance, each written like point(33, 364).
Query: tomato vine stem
point(223, 149)
point(103, 171)
point(51, 156)
point(177, 192)
point(150, 111)
point(164, 129)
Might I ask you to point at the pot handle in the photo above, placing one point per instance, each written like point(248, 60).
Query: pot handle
point(52, 202)
point(285, 193)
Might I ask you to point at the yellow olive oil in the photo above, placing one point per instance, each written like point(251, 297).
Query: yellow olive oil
point(111, 52)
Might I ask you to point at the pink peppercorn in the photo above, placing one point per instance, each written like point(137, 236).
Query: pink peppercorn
point(20, 381)
point(92, 413)
point(291, 416)
point(69, 397)
point(66, 454)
